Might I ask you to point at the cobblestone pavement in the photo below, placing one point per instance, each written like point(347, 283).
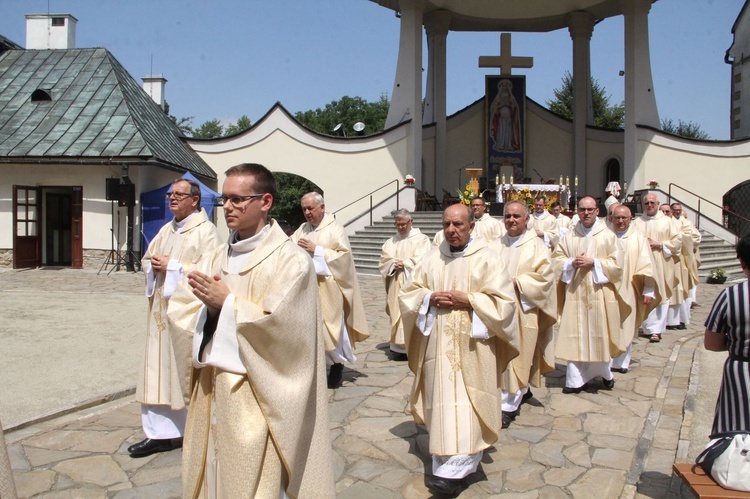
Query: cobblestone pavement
point(598, 444)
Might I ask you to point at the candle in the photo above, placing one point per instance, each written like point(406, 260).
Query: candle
point(576, 181)
point(497, 179)
point(511, 179)
point(560, 179)
point(503, 179)
point(567, 181)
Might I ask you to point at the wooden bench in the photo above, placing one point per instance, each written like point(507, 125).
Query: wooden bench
point(704, 485)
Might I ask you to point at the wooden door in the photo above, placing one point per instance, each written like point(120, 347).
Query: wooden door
point(27, 242)
point(76, 227)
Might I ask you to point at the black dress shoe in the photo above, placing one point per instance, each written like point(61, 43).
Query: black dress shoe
point(621, 370)
point(672, 328)
point(446, 486)
point(681, 327)
point(509, 417)
point(608, 383)
point(334, 375)
point(401, 357)
point(567, 389)
point(153, 445)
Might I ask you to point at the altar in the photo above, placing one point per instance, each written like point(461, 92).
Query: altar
point(527, 192)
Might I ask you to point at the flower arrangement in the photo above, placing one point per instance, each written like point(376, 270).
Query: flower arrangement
point(466, 195)
point(409, 180)
point(653, 183)
point(717, 275)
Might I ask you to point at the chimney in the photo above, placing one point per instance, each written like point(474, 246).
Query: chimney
point(50, 31)
point(153, 85)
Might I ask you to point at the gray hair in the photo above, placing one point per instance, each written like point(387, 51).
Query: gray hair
point(525, 208)
point(318, 197)
point(402, 213)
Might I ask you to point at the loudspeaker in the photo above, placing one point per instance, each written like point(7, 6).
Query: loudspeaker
point(113, 189)
point(126, 195)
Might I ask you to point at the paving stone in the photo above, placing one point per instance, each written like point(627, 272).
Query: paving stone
point(147, 476)
point(548, 453)
point(415, 487)
point(393, 479)
point(353, 391)
point(103, 441)
point(33, 482)
point(571, 405)
point(661, 461)
point(401, 451)
point(525, 478)
point(530, 434)
point(612, 458)
point(613, 425)
point(389, 404)
point(578, 454)
point(18, 459)
point(564, 423)
point(369, 412)
point(612, 442)
point(598, 483)
point(354, 446)
point(565, 437)
point(507, 457)
point(362, 490)
point(383, 428)
point(561, 477)
point(339, 410)
point(366, 469)
point(552, 492)
point(666, 439)
point(77, 493)
point(170, 489)
point(99, 470)
point(41, 457)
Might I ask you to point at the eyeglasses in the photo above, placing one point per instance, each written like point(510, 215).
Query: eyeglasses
point(177, 195)
point(236, 201)
point(404, 224)
point(587, 209)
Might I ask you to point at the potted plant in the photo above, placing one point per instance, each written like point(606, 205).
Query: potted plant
point(653, 184)
point(717, 276)
point(409, 181)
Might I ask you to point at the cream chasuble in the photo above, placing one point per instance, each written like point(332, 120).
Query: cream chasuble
point(457, 376)
point(340, 300)
point(409, 249)
point(249, 432)
point(635, 259)
point(547, 223)
point(165, 377)
point(688, 264)
point(487, 227)
point(536, 309)
point(664, 230)
point(590, 308)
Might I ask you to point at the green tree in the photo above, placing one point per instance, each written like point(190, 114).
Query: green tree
point(347, 111)
point(605, 115)
point(684, 129)
point(185, 124)
point(291, 188)
point(211, 129)
point(243, 123)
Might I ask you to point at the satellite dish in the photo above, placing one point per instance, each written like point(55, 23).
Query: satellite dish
point(337, 127)
point(358, 126)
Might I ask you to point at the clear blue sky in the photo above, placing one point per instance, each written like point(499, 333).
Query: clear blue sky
point(227, 58)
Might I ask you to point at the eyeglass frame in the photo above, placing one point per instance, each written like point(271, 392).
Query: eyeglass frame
point(178, 195)
point(221, 200)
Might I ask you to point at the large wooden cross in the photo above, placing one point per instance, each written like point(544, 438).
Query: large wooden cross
point(505, 61)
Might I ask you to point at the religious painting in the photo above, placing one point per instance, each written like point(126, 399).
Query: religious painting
point(505, 131)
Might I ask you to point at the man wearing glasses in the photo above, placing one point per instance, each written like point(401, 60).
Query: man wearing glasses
point(343, 312)
point(665, 240)
point(398, 257)
point(162, 387)
point(258, 419)
point(544, 223)
point(590, 305)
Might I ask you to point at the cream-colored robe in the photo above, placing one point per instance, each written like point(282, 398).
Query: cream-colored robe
point(7, 485)
point(487, 227)
point(547, 223)
point(409, 249)
point(564, 222)
point(665, 230)
point(590, 313)
point(530, 263)
point(635, 259)
point(457, 378)
point(164, 378)
point(340, 299)
point(272, 421)
point(688, 262)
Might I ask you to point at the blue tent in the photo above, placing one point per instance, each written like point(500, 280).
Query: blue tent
point(155, 209)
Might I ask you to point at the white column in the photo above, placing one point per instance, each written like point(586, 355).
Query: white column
point(436, 25)
point(406, 98)
point(581, 26)
point(640, 101)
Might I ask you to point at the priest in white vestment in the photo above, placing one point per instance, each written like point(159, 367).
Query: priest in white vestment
point(544, 223)
point(485, 225)
point(258, 421)
point(679, 314)
point(530, 269)
point(343, 312)
point(460, 325)
point(665, 240)
point(590, 307)
point(564, 223)
point(163, 383)
point(637, 287)
point(398, 257)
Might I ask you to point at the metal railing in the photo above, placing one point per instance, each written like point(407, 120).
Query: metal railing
point(698, 212)
point(395, 181)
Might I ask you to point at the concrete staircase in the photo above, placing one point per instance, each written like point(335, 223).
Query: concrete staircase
point(717, 253)
point(367, 243)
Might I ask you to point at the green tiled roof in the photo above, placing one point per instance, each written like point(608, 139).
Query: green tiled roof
point(96, 111)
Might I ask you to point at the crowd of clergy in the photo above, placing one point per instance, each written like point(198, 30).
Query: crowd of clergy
point(474, 311)
point(246, 337)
